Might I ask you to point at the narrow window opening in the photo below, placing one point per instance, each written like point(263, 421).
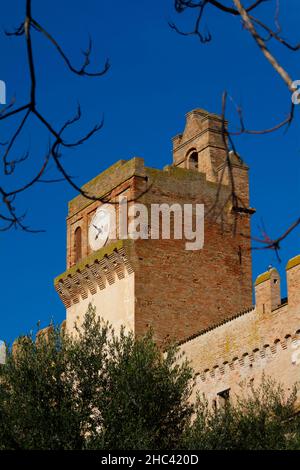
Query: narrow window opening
point(240, 255)
point(193, 161)
point(223, 398)
point(78, 247)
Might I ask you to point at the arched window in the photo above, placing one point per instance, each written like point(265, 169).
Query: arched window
point(77, 244)
point(193, 160)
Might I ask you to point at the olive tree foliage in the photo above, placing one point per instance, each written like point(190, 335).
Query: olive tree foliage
point(263, 418)
point(96, 390)
point(99, 390)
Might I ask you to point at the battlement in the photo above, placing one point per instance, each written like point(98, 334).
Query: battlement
point(108, 183)
point(254, 357)
point(254, 341)
point(279, 360)
point(102, 268)
point(103, 184)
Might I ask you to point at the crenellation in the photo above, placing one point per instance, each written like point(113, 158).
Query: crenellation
point(248, 359)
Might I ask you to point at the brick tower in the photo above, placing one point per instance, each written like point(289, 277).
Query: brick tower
point(157, 283)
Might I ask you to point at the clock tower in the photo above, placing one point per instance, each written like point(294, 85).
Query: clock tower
point(153, 281)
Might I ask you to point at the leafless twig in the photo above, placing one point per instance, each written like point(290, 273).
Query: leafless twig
point(253, 24)
point(11, 218)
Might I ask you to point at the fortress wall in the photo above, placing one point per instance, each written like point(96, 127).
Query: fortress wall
point(263, 339)
point(279, 360)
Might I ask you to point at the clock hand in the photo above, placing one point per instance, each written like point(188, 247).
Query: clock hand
point(99, 231)
point(95, 226)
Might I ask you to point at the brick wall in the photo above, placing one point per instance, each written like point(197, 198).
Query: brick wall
point(179, 292)
point(258, 341)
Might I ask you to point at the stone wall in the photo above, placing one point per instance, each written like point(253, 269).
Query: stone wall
point(262, 340)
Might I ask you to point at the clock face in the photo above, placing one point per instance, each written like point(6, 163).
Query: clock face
point(99, 229)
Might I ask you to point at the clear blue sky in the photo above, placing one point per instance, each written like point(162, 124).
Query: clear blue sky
point(156, 77)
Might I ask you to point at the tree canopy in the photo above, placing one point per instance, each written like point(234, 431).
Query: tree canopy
point(99, 390)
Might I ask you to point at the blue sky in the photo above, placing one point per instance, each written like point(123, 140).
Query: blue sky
point(156, 77)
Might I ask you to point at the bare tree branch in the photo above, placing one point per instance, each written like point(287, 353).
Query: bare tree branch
point(262, 45)
point(11, 219)
point(250, 23)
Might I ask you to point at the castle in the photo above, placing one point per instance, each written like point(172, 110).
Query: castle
point(200, 298)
